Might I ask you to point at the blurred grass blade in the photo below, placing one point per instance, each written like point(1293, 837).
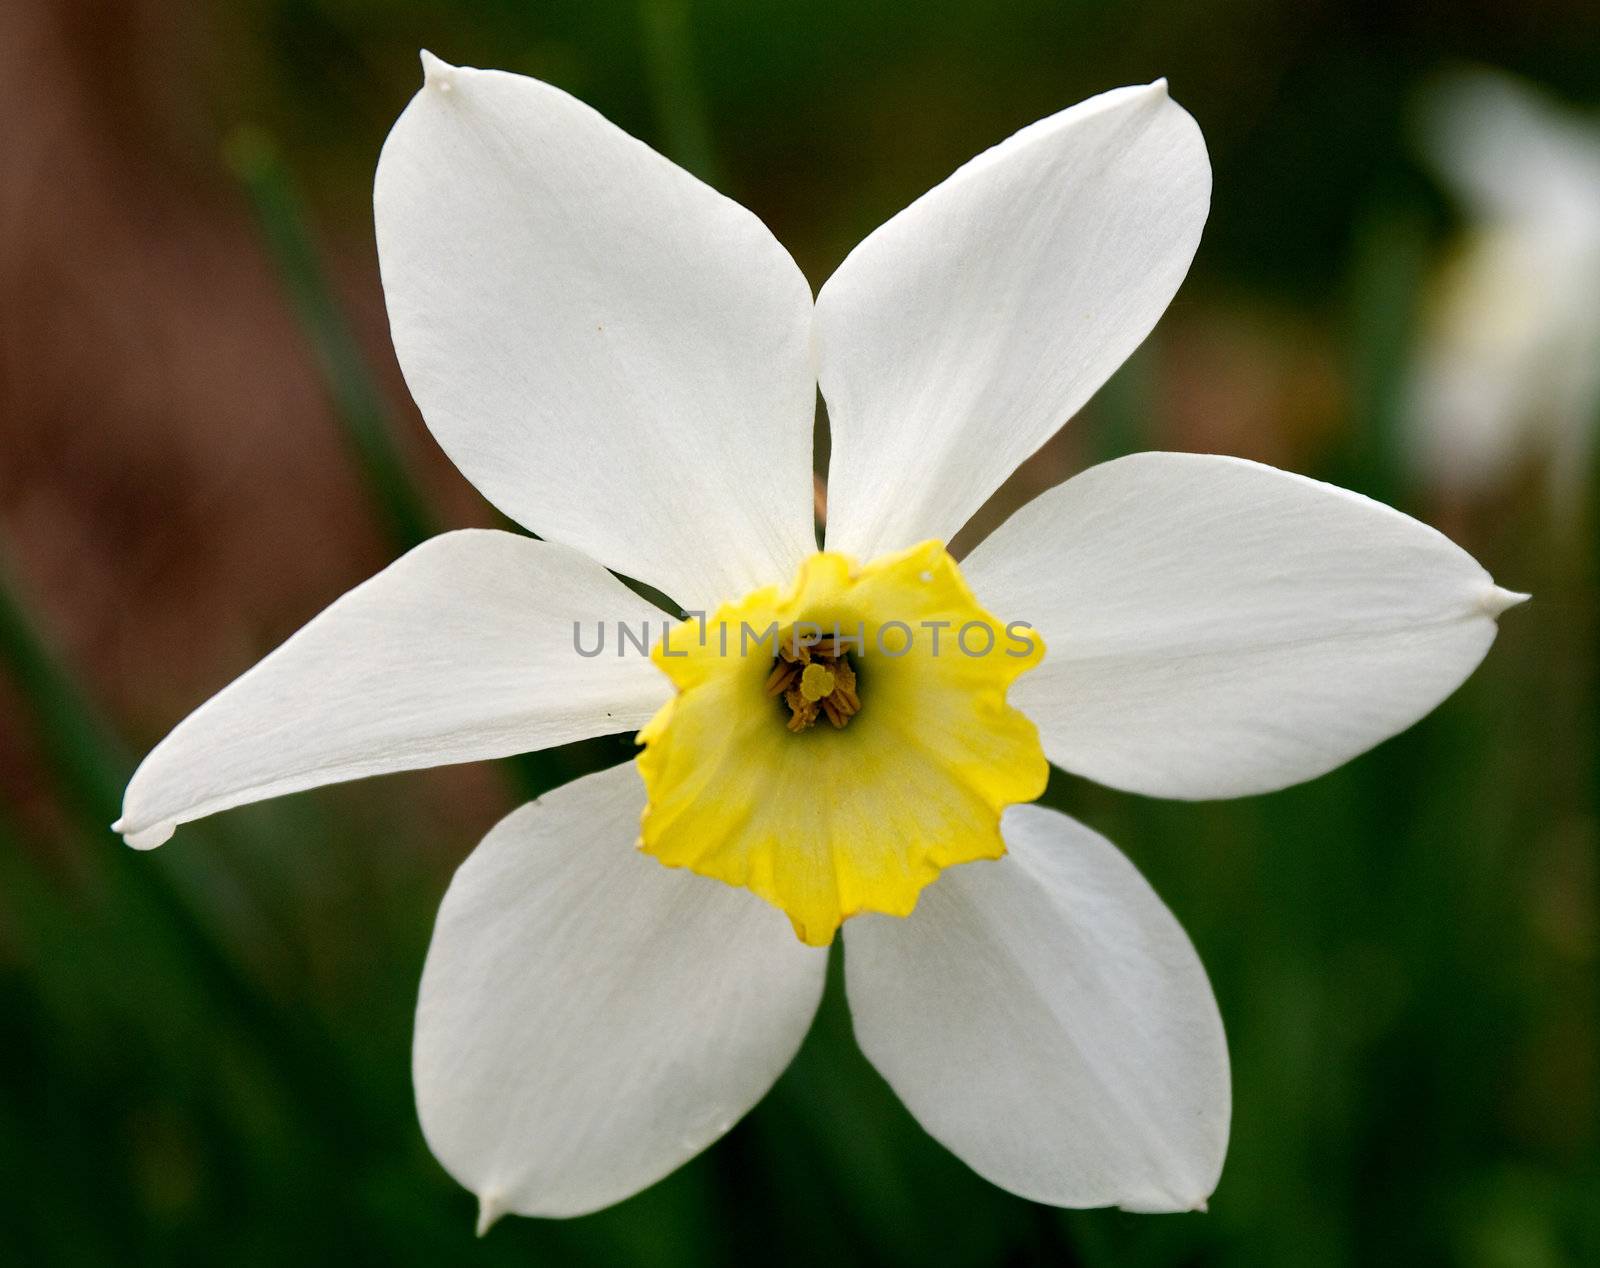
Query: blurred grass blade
point(1590, 561)
point(1387, 269)
point(87, 763)
point(675, 89)
point(90, 769)
point(358, 405)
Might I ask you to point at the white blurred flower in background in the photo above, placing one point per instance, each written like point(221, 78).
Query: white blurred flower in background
point(1509, 364)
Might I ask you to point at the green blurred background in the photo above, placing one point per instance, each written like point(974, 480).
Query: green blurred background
point(204, 438)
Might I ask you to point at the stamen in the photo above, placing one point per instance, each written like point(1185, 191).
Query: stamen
point(782, 675)
point(803, 711)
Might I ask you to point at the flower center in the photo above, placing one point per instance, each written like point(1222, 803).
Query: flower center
point(827, 822)
point(815, 678)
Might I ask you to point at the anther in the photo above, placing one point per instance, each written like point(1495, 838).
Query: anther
point(781, 678)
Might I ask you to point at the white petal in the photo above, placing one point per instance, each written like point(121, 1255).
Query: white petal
point(957, 337)
point(460, 650)
point(590, 1019)
point(1214, 627)
point(614, 353)
point(1045, 1018)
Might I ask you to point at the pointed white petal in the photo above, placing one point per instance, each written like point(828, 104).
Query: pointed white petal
point(460, 650)
point(590, 1019)
point(614, 353)
point(1215, 627)
point(1045, 1018)
point(962, 333)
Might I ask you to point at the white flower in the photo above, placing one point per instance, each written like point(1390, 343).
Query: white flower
point(626, 362)
point(1509, 365)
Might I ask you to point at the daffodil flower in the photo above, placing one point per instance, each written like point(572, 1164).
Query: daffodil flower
point(1508, 368)
point(626, 362)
